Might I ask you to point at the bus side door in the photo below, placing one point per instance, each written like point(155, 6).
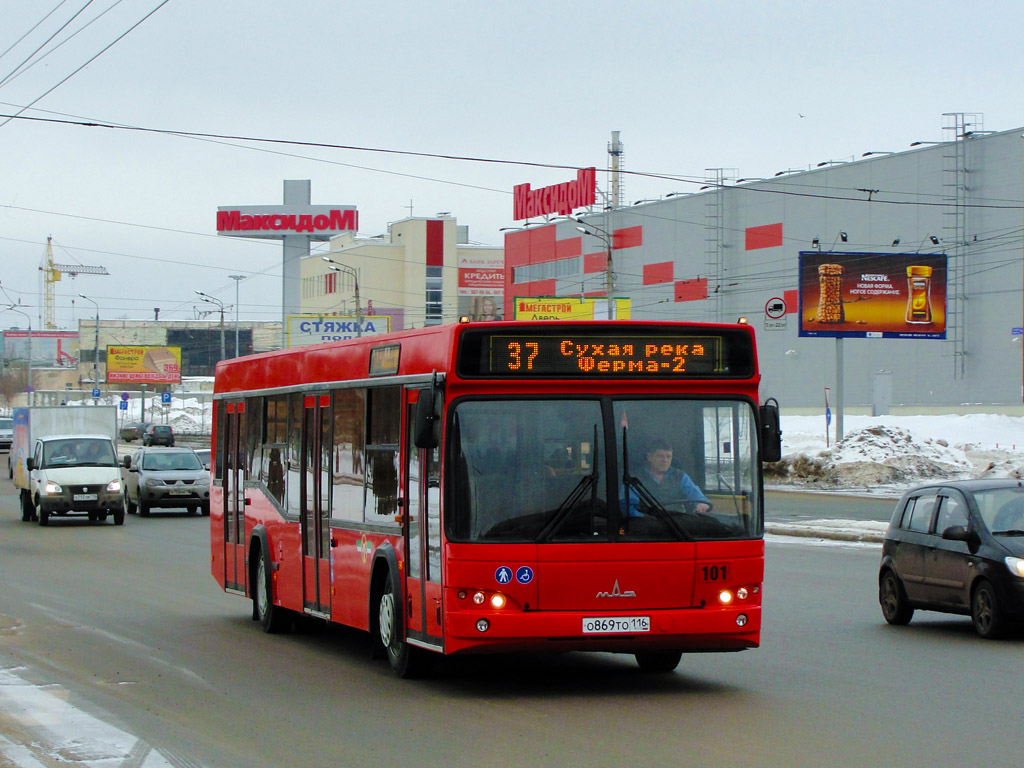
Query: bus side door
point(422, 523)
point(231, 466)
point(315, 490)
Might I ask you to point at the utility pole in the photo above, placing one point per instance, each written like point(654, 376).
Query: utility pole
point(237, 279)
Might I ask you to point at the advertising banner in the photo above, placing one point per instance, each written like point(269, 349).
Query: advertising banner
point(873, 295)
point(50, 349)
point(570, 308)
point(317, 329)
point(144, 365)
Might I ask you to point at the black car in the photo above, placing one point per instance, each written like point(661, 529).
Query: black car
point(956, 547)
point(134, 431)
point(158, 434)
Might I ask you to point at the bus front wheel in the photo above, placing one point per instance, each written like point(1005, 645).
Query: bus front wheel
point(405, 660)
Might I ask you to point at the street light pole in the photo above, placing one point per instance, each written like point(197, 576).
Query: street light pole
point(609, 273)
point(337, 266)
point(28, 370)
point(237, 279)
point(96, 343)
point(213, 300)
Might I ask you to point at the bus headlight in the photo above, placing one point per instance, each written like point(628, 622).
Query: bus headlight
point(725, 597)
point(498, 600)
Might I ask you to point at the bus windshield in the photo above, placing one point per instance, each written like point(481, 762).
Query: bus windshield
point(603, 469)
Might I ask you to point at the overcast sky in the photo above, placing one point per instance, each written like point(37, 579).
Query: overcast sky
point(756, 87)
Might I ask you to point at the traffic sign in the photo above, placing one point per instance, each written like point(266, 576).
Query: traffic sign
point(124, 397)
point(123, 405)
point(95, 391)
point(775, 308)
point(165, 397)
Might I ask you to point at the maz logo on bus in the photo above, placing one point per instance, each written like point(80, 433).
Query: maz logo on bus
point(616, 592)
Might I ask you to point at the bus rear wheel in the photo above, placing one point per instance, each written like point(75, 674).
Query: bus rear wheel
point(405, 661)
point(273, 618)
point(659, 661)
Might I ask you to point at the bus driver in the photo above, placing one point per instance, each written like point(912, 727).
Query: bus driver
point(668, 484)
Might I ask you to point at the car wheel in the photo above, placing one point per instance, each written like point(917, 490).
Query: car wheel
point(129, 504)
point(985, 612)
point(405, 661)
point(191, 509)
point(895, 607)
point(658, 661)
point(119, 516)
point(44, 517)
point(205, 509)
point(143, 509)
point(273, 618)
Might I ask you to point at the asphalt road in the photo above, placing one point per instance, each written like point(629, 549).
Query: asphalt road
point(126, 624)
point(797, 506)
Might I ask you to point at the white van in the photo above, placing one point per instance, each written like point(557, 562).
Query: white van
point(74, 474)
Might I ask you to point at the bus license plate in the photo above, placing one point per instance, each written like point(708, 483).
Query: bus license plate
point(614, 625)
point(85, 497)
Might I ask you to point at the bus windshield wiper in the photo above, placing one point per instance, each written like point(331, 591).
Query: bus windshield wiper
point(569, 503)
point(646, 497)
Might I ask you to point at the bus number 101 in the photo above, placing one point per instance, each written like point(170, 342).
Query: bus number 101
point(713, 572)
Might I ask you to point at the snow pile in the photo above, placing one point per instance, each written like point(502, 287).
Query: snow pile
point(890, 453)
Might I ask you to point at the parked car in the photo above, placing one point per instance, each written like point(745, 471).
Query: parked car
point(956, 547)
point(166, 478)
point(6, 432)
point(158, 434)
point(134, 431)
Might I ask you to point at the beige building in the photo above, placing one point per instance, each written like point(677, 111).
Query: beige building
point(422, 272)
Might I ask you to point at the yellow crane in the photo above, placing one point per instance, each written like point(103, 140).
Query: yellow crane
point(52, 274)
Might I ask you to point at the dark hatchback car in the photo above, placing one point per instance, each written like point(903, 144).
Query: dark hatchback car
point(158, 434)
point(134, 431)
point(956, 547)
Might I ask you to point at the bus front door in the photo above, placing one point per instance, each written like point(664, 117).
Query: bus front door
point(423, 539)
point(231, 466)
point(315, 490)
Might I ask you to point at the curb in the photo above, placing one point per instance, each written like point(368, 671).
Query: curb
point(812, 532)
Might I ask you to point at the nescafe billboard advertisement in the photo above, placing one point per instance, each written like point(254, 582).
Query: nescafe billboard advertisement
point(873, 295)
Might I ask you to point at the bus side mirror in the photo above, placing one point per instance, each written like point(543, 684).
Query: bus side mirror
point(427, 432)
point(771, 431)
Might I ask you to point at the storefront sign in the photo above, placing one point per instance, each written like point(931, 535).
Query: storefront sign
point(559, 198)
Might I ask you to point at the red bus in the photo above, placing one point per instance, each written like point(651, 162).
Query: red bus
point(505, 486)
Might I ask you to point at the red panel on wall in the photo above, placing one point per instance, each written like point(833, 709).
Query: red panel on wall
point(767, 236)
point(658, 273)
point(568, 249)
point(791, 298)
point(435, 243)
point(692, 290)
point(594, 262)
point(630, 237)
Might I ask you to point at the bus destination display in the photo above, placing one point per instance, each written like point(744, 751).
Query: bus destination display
point(573, 355)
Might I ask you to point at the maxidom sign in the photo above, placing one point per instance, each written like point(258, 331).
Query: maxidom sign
point(319, 222)
point(558, 198)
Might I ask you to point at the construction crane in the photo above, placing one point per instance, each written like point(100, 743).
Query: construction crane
point(52, 274)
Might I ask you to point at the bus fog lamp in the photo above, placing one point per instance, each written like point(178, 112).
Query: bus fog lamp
point(462, 594)
point(725, 597)
point(482, 625)
point(742, 593)
point(741, 620)
point(478, 598)
point(498, 600)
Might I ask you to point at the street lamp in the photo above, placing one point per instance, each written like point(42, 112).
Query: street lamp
point(337, 266)
point(28, 370)
point(609, 273)
point(214, 300)
point(95, 344)
point(237, 279)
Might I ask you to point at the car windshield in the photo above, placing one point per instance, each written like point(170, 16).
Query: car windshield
point(551, 470)
point(1002, 510)
point(170, 462)
point(7, 424)
point(77, 452)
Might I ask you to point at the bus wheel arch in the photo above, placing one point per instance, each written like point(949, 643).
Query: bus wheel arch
point(387, 617)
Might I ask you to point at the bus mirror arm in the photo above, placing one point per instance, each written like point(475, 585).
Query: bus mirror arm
point(427, 432)
point(771, 431)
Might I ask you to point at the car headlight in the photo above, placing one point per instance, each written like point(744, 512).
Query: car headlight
point(152, 482)
point(114, 486)
point(1016, 566)
point(51, 488)
point(203, 480)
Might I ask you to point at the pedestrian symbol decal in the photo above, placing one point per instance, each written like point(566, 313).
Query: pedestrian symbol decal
point(503, 575)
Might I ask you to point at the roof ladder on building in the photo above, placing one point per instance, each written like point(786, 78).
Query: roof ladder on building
point(714, 239)
point(957, 126)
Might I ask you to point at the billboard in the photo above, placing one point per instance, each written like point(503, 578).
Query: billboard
point(569, 308)
point(317, 329)
point(873, 295)
point(50, 349)
point(144, 365)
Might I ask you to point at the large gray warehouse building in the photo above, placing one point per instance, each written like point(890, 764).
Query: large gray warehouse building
point(736, 245)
